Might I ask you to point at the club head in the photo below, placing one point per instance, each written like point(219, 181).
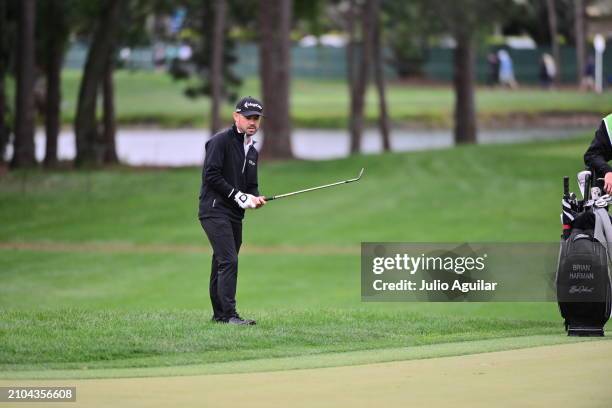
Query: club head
point(360, 173)
point(581, 176)
point(356, 178)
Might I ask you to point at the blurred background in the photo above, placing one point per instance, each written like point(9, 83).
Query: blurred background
point(91, 83)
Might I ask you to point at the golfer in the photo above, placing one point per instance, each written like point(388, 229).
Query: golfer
point(229, 187)
point(600, 152)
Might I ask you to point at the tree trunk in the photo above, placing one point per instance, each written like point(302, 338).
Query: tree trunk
point(351, 63)
point(216, 69)
point(463, 81)
point(552, 25)
point(56, 36)
point(579, 38)
point(379, 74)
point(88, 151)
point(274, 69)
point(4, 131)
point(24, 98)
point(361, 81)
point(3, 128)
point(108, 113)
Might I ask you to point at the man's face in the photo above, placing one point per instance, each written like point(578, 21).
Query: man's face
point(247, 124)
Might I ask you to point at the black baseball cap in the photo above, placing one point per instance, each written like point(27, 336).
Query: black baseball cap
point(249, 106)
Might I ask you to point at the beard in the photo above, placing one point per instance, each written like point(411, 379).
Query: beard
point(250, 130)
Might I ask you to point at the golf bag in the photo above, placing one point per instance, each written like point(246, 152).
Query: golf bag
point(584, 291)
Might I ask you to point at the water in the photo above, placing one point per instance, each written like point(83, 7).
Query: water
point(185, 147)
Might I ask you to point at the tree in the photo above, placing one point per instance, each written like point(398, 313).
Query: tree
point(210, 69)
point(216, 71)
point(23, 155)
point(134, 18)
point(274, 19)
point(532, 18)
point(359, 65)
point(463, 82)
point(54, 38)
point(108, 112)
point(554, 40)
point(360, 79)
point(464, 20)
point(105, 36)
point(351, 63)
point(379, 75)
point(409, 31)
point(5, 58)
point(579, 38)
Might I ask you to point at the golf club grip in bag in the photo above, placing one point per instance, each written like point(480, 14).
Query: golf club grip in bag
point(584, 291)
point(587, 188)
point(566, 225)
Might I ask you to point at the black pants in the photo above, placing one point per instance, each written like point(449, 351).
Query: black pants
point(225, 238)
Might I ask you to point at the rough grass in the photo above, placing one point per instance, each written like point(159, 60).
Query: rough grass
point(72, 338)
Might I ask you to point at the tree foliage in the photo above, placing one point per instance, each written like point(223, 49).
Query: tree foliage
point(531, 18)
point(408, 34)
point(198, 33)
point(465, 20)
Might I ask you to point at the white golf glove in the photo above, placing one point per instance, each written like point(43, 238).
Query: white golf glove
point(244, 200)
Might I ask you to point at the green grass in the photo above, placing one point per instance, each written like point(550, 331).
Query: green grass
point(70, 338)
point(155, 98)
point(302, 361)
point(138, 298)
point(494, 192)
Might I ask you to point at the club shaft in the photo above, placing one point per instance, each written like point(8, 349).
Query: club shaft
point(276, 197)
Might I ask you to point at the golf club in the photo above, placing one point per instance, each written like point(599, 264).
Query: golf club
point(581, 176)
point(276, 197)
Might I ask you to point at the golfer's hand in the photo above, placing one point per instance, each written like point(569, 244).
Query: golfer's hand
point(245, 200)
point(259, 201)
point(608, 182)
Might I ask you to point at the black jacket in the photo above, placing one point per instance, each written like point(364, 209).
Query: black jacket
point(599, 152)
point(226, 171)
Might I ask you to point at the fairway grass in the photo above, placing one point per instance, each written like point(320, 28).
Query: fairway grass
point(470, 193)
point(102, 269)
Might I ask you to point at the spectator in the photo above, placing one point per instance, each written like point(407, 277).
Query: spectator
point(506, 70)
point(548, 70)
point(588, 78)
point(493, 63)
point(159, 56)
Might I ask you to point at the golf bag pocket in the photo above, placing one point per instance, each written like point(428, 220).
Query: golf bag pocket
point(583, 284)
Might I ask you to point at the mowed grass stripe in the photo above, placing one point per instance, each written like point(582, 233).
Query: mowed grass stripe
point(472, 193)
point(117, 247)
point(308, 361)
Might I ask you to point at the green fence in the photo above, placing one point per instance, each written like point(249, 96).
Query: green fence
point(328, 62)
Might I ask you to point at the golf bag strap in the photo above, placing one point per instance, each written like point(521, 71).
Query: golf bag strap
point(603, 229)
